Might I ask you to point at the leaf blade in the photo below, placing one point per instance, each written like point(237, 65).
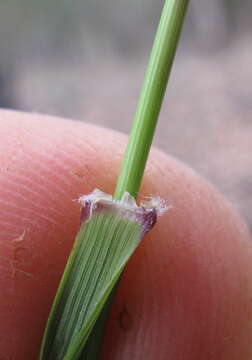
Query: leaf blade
point(86, 283)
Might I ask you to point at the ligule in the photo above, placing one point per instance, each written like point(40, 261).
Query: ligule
point(109, 234)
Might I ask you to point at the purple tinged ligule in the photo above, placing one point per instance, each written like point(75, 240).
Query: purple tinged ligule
point(145, 214)
point(148, 219)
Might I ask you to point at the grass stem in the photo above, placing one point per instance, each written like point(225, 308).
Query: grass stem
point(151, 97)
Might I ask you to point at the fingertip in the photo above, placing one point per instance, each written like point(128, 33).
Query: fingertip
point(186, 292)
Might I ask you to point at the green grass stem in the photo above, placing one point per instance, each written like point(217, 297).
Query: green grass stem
point(151, 97)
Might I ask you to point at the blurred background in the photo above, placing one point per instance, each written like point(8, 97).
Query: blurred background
point(85, 59)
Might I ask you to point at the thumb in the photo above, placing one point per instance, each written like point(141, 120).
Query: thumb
point(186, 292)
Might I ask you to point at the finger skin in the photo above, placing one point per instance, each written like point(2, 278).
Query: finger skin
point(186, 293)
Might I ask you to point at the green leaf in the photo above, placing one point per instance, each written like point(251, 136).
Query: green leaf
point(103, 246)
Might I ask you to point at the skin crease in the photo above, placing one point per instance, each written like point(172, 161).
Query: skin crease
point(186, 293)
